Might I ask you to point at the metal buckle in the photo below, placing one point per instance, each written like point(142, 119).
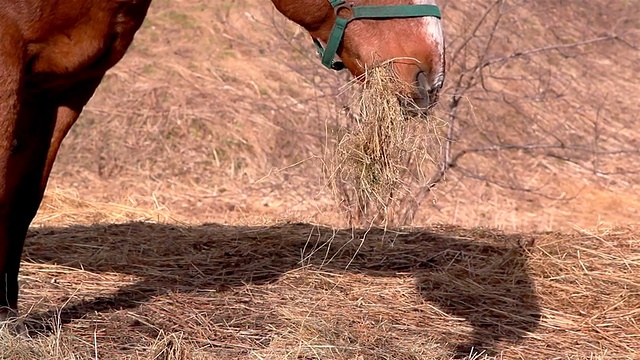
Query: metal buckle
point(348, 7)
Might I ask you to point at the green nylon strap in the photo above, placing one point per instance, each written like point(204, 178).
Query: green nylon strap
point(366, 12)
point(334, 65)
point(334, 42)
point(395, 11)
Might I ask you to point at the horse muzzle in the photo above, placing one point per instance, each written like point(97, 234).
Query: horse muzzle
point(426, 92)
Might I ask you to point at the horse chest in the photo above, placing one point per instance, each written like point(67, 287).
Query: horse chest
point(94, 43)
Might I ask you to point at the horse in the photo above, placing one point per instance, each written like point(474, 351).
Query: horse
point(54, 54)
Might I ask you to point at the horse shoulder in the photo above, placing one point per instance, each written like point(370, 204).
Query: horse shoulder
point(91, 38)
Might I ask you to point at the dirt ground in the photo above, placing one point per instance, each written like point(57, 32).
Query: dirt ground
point(188, 215)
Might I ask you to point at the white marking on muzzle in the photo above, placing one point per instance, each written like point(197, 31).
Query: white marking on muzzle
point(432, 28)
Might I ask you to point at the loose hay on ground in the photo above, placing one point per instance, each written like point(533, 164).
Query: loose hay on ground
point(387, 152)
point(299, 290)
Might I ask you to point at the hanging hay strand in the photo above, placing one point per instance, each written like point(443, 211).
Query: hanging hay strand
point(386, 154)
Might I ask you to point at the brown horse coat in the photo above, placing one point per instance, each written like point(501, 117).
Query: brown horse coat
point(53, 55)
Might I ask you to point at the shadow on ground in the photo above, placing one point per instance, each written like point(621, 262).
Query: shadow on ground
point(478, 275)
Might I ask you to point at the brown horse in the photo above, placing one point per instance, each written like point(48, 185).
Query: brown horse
point(53, 55)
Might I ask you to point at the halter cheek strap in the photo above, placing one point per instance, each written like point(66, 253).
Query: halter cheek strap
point(354, 12)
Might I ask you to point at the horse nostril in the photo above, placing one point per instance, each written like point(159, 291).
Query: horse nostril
point(423, 84)
point(426, 92)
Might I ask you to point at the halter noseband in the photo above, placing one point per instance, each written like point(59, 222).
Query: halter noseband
point(355, 12)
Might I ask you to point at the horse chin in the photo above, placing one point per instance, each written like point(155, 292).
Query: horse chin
point(417, 106)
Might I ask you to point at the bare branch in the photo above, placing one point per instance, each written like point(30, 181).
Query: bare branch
point(519, 54)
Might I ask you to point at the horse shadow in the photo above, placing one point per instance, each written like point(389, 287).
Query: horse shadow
point(478, 275)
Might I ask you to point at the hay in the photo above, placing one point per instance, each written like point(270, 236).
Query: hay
point(387, 155)
point(145, 291)
point(59, 345)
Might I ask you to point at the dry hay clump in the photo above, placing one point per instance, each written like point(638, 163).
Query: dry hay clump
point(387, 155)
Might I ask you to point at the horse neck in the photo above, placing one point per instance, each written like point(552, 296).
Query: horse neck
point(313, 15)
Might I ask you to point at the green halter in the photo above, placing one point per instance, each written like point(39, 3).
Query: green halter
point(365, 12)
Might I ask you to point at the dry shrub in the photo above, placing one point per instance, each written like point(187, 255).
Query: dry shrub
point(387, 154)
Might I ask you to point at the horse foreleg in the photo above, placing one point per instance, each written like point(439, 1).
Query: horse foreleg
point(70, 106)
point(24, 147)
point(42, 125)
point(11, 168)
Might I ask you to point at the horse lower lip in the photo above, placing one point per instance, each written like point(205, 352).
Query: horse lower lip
point(420, 99)
point(416, 105)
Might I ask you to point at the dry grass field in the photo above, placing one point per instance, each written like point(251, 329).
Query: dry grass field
point(189, 217)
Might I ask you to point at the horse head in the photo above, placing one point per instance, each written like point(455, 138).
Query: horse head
point(365, 33)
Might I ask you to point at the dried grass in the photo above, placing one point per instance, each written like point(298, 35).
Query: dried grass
point(59, 345)
point(172, 347)
point(387, 155)
point(289, 291)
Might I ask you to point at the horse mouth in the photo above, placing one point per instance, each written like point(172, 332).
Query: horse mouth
point(424, 96)
point(417, 106)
